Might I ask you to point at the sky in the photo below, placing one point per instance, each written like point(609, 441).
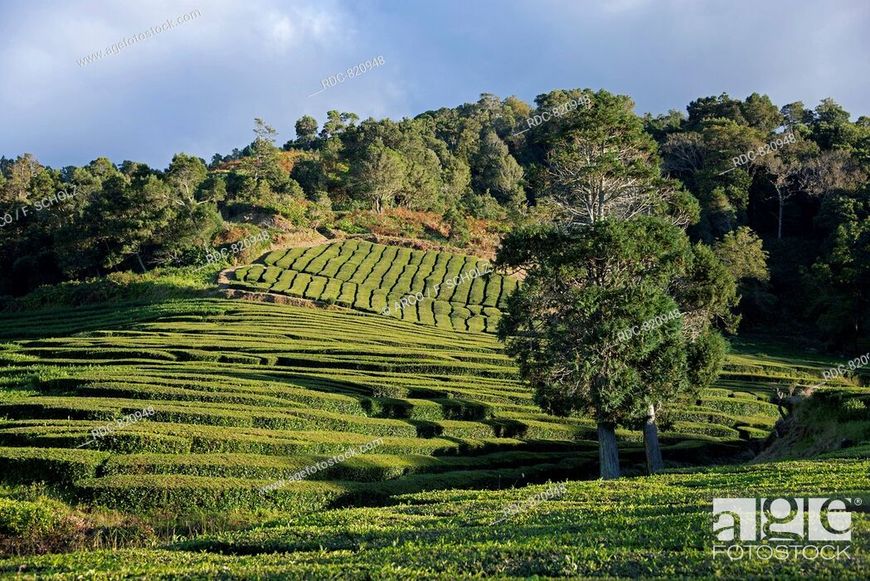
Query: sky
point(197, 86)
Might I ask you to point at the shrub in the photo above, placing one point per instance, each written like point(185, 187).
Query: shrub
point(21, 517)
point(460, 233)
point(320, 212)
point(38, 526)
point(347, 225)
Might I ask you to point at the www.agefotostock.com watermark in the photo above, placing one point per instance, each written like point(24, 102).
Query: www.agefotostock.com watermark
point(119, 424)
point(555, 112)
point(322, 465)
point(783, 528)
point(351, 73)
point(412, 299)
point(213, 255)
point(745, 158)
point(125, 42)
point(37, 206)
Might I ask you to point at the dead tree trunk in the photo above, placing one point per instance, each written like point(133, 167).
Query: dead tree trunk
point(654, 462)
point(141, 264)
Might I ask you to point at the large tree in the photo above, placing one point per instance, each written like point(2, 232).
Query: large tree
point(306, 131)
point(601, 164)
point(495, 171)
point(263, 166)
point(185, 175)
point(380, 175)
point(742, 252)
point(583, 288)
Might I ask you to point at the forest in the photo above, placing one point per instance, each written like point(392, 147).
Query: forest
point(780, 192)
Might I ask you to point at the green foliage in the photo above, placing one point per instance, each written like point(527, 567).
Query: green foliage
point(704, 358)
point(19, 518)
point(575, 165)
point(409, 284)
point(460, 233)
point(276, 388)
point(351, 227)
point(583, 288)
point(839, 279)
point(49, 465)
point(624, 528)
point(157, 285)
point(306, 130)
point(483, 206)
point(320, 212)
point(743, 253)
point(776, 194)
point(185, 175)
point(380, 177)
point(246, 394)
point(831, 128)
point(497, 172)
point(294, 209)
point(483, 159)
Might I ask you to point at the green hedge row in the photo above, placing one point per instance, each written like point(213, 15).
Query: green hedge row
point(182, 492)
point(53, 465)
point(370, 277)
point(740, 406)
point(369, 467)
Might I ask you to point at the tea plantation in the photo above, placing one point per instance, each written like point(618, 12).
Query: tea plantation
point(244, 394)
point(650, 527)
point(440, 288)
point(240, 396)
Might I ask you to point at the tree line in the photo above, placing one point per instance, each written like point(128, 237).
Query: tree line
point(791, 225)
point(653, 217)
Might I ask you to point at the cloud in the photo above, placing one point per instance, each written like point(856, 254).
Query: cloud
point(198, 86)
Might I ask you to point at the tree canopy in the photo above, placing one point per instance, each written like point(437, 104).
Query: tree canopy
point(583, 288)
point(492, 160)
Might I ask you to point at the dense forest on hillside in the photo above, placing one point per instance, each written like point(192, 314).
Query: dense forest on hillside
point(779, 192)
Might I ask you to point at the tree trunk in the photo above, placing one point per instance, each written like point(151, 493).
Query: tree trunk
point(142, 264)
point(654, 462)
point(608, 453)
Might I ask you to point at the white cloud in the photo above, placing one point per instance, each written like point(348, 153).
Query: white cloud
point(199, 86)
point(283, 32)
point(201, 82)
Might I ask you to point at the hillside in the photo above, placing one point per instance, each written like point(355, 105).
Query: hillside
point(234, 398)
point(306, 290)
point(448, 290)
point(255, 391)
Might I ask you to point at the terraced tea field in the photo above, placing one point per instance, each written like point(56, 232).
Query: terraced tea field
point(241, 396)
point(658, 527)
point(245, 394)
point(449, 290)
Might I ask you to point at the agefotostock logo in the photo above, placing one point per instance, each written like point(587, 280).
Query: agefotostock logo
point(783, 528)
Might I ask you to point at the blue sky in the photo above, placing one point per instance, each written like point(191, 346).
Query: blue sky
point(197, 87)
